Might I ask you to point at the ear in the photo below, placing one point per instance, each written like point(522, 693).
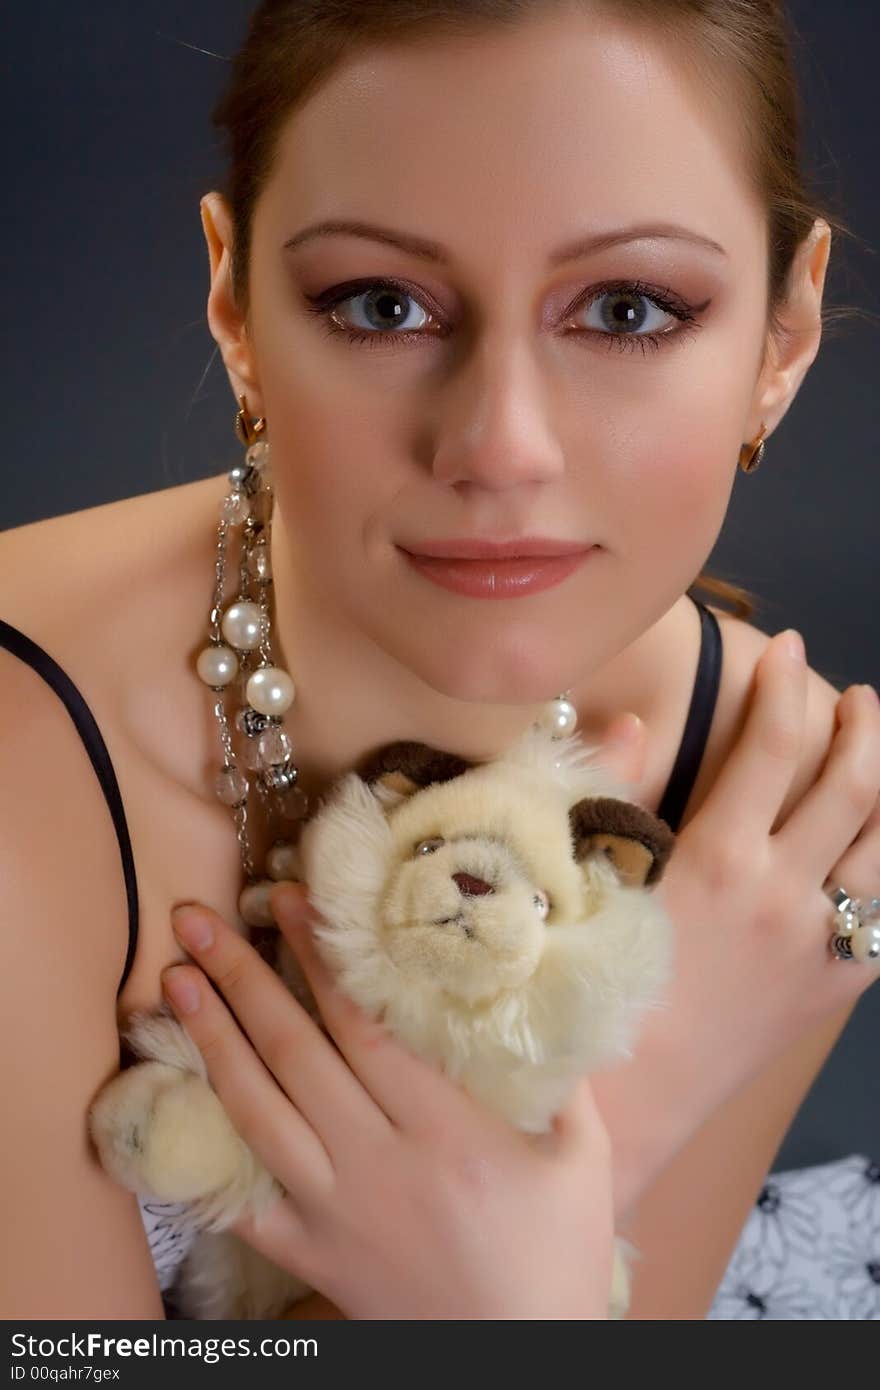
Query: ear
point(637, 843)
point(405, 767)
point(226, 320)
point(790, 351)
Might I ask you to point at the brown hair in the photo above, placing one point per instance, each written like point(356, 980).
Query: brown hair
point(741, 47)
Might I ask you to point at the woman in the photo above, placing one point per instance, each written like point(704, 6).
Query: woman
point(501, 414)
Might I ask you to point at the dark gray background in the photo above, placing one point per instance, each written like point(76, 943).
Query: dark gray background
point(113, 388)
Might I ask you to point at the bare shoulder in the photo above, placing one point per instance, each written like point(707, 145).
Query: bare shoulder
point(68, 577)
point(116, 596)
point(744, 644)
point(63, 941)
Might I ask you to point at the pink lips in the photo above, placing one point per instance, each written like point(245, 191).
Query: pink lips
point(513, 575)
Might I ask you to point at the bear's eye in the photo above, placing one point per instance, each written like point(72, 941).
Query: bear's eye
point(428, 846)
point(542, 903)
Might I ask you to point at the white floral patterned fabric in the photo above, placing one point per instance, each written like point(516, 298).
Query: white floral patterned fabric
point(810, 1247)
point(168, 1236)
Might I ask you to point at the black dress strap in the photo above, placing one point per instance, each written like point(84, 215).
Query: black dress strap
point(33, 655)
point(699, 720)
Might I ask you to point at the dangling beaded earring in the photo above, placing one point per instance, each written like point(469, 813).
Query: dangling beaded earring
point(559, 717)
point(750, 455)
point(240, 657)
point(239, 637)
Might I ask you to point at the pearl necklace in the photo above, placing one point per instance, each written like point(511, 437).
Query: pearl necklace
point(240, 656)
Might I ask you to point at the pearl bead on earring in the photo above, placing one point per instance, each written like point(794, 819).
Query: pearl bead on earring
point(558, 717)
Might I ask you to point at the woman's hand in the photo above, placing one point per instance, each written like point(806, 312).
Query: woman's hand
point(314, 1308)
point(753, 969)
point(405, 1198)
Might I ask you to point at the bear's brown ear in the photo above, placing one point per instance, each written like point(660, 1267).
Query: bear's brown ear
point(406, 767)
point(637, 842)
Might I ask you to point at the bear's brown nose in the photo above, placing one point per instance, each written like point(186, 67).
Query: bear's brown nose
point(472, 886)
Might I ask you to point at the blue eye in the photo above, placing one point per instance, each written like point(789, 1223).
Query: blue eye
point(627, 311)
point(384, 308)
point(392, 311)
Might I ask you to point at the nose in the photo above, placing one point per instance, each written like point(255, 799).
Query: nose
point(498, 434)
point(474, 887)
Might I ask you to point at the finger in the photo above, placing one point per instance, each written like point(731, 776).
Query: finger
point(579, 1131)
point(314, 1308)
point(257, 1109)
point(413, 1092)
point(858, 870)
point(868, 840)
point(623, 748)
point(284, 1237)
point(830, 816)
point(753, 783)
point(293, 1049)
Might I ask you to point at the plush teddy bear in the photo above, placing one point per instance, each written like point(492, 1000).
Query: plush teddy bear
point(496, 916)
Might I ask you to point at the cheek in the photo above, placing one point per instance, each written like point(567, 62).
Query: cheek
point(682, 497)
point(333, 450)
point(665, 501)
point(335, 482)
point(672, 463)
point(671, 443)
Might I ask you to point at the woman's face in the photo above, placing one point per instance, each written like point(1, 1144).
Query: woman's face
point(520, 394)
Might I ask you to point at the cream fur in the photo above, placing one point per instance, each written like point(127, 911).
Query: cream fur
point(514, 1006)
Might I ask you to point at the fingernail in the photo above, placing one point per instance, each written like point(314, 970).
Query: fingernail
point(872, 693)
point(182, 994)
point(794, 645)
point(191, 927)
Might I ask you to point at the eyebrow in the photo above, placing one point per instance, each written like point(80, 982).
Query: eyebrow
point(433, 251)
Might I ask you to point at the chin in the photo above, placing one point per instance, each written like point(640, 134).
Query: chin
point(495, 673)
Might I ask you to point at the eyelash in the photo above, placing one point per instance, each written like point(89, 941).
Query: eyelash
point(323, 304)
